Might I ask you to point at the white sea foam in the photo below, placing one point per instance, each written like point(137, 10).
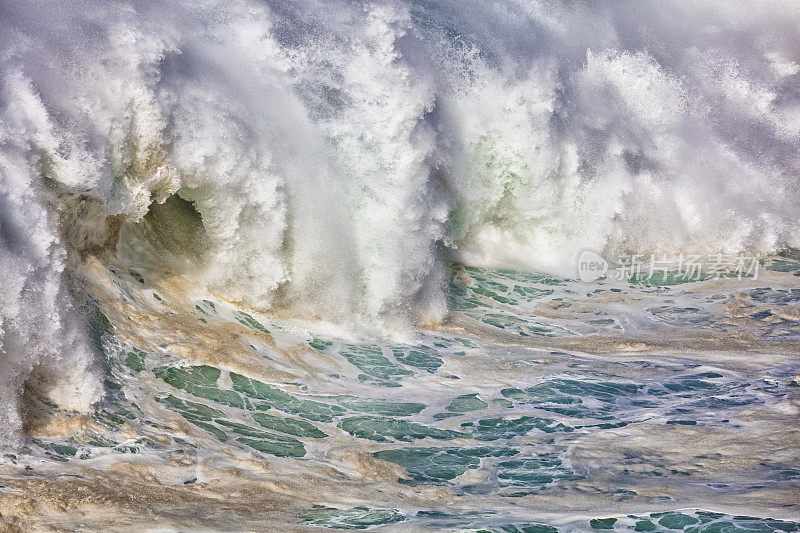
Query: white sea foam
point(42, 341)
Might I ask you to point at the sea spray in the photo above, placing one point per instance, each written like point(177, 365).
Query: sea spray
point(44, 344)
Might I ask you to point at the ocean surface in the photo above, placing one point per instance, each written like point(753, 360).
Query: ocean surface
point(513, 266)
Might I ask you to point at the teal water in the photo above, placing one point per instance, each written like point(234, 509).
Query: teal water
point(519, 417)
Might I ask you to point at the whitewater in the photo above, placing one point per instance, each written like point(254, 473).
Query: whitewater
point(270, 265)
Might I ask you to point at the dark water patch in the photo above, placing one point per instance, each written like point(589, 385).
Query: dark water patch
point(441, 465)
point(198, 414)
point(466, 403)
point(569, 397)
point(490, 429)
point(201, 381)
point(274, 444)
point(787, 262)
point(771, 296)
point(290, 426)
point(283, 401)
point(382, 429)
point(602, 523)
point(520, 325)
point(589, 401)
point(705, 522)
point(375, 366)
point(530, 474)
point(436, 519)
point(350, 519)
point(247, 320)
point(661, 278)
point(135, 360)
point(682, 316)
point(215, 422)
point(382, 407)
point(422, 358)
